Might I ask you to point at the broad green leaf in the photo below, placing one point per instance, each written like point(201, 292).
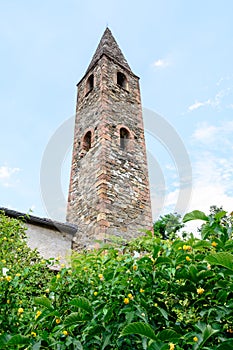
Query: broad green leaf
point(207, 333)
point(18, 339)
point(43, 301)
point(220, 214)
point(195, 215)
point(140, 328)
point(226, 345)
point(193, 273)
point(129, 317)
point(224, 259)
point(168, 334)
point(73, 319)
point(106, 341)
point(4, 339)
point(201, 244)
point(206, 231)
point(163, 312)
point(82, 303)
point(110, 312)
point(77, 345)
point(156, 249)
point(37, 346)
point(222, 296)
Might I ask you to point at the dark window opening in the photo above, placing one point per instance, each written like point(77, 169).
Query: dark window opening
point(121, 80)
point(124, 138)
point(87, 141)
point(90, 83)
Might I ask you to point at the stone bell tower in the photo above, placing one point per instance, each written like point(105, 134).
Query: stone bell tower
point(109, 188)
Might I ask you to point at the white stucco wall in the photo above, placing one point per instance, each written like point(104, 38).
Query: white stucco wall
point(50, 243)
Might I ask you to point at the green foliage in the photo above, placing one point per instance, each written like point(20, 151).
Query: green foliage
point(195, 215)
point(139, 328)
point(167, 226)
point(150, 294)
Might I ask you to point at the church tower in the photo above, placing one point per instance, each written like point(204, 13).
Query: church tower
point(109, 188)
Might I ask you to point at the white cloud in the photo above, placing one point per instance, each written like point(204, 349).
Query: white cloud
point(214, 102)
point(6, 174)
point(198, 104)
point(161, 63)
point(207, 133)
point(212, 185)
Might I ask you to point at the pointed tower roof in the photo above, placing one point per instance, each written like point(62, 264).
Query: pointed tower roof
point(109, 47)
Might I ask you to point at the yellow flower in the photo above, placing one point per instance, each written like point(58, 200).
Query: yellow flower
point(200, 290)
point(58, 320)
point(33, 334)
point(142, 290)
point(18, 274)
point(195, 339)
point(155, 304)
point(130, 296)
point(3, 261)
point(187, 247)
point(101, 277)
point(8, 278)
point(85, 268)
point(20, 310)
point(63, 265)
point(58, 276)
point(8, 301)
point(47, 290)
point(38, 313)
point(95, 293)
point(171, 346)
point(19, 249)
point(135, 267)
point(4, 238)
point(65, 333)
point(42, 261)
point(214, 244)
point(188, 258)
point(126, 301)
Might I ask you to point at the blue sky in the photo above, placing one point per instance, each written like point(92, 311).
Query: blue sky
point(183, 53)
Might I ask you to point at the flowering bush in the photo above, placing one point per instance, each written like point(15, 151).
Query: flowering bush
point(148, 294)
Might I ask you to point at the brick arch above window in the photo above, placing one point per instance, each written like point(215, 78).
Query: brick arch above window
point(125, 137)
point(87, 140)
point(89, 84)
point(122, 80)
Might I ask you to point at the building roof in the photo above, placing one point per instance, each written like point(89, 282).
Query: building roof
point(109, 47)
point(44, 222)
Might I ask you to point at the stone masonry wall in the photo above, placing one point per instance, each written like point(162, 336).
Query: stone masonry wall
point(109, 188)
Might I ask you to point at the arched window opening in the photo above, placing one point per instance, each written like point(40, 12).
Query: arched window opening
point(124, 138)
point(90, 83)
point(121, 80)
point(87, 141)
